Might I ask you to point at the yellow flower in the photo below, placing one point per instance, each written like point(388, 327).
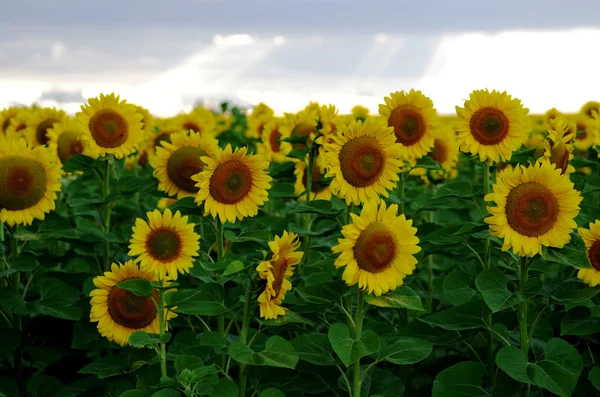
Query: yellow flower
point(38, 123)
point(147, 120)
point(110, 126)
point(492, 125)
point(328, 121)
point(166, 244)
point(360, 112)
point(178, 159)
point(591, 238)
point(198, 121)
point(444, 152)
point(276, 271)
point(256, 125)
point(64, 139)
point(535, 207)
point(118, 312)
point(552, 114)
point(301, 124)
point(414, 119)
point(272, 147)
point(589, 108)
point(378, 249)
point(558, 149)
point(165, 202)
point(29, 181)
point(318, 191)
point(364, 160)
point(17, 124)
point(6, 116)
point(262, 109)
point(587, 133)
point(233, 184)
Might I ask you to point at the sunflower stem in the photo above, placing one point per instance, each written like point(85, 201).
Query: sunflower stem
point(487, 266)
point(307, 217)
point(244, 337)
point(220, 258)
point(523, 271)
point(358, 321)
point(162, 327)
point(401, 192)
point(106, 213)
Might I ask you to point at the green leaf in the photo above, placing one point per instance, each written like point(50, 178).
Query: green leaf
point(81, 386)
point(567, 256)
point(282, 190)
point(142, 338)
point(314, 348)
point(427, 163)
point(138, 287)
point(278, 352)
point(21, 264)
point(135, 184)
point(466, 316)
point(323, 293)
point(188, 361)
point(462, 379)
point(251, 230)
point(271, 392)
point(204, 300)
point(12, 302)
point(288, 318)
point(213, 339)
point(492, 285)
point(594, 377)
point(321, 207)
point(167, 393)
point(454, 189)
point(532, 288)
point(225, 388)
point(57, 300)
point(8, 387)
point(298, 153)
point(41, 385)
point(406, 350)
point(592, 184)
point(579, 321)
point(574, 292)
point(457, 287)
point(513, 361)
point(349, 349)
point(11, 340)
point(135, 393)
point(401, 298)
point(78, 162)
point(106, 367)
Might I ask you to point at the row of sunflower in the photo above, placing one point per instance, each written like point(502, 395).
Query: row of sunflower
point(362, 160)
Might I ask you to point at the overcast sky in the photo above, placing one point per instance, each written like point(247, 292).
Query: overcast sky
point(168, 55)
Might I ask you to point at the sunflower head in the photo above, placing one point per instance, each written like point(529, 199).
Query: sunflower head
point(232, 184)
point(587, 133)
point(589, 108)
point(110, 126)
point(273, 148)
point(6, 115)
point(492, 125)
point(147, 120)
point(535, 207)
point(17, 124)
point(378, 249)
point(552, 114)
point(299, 125)
point(198, 121)
point(256, 125)
point(558, 148)
point(262, 110)
point(39, 122)
point(165, 245)
point(360, 112)
point(591, 238)
point(318, 190)
point(65, 140)
point(444, 152)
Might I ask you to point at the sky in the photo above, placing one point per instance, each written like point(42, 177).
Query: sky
point(168, 56)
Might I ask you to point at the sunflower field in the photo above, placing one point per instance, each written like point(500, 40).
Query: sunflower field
point(239, 253)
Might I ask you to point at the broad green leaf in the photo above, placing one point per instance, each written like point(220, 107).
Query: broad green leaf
point(466, 316)
point(81, 386)
point(8, 387)
point(278, 352)
point(592, 184)
point(298, 153)
point(188, 361)
point(462, 379)
point(78, 162)
point(135, 393)
point(225, 388)
point(142, 338)
point(323, 293)
point(21, 263)
point(406, 350)
point(12, 302)
point(288, 318)
point(271, 392)
point(204, 300)
point(492, 285)
point(512, 361)
point(107, 366)
point(11, 340)
point(41, 385)
point(457, 287)
point(250, 230)
point(454, 189)
point(579, 321)
point(314, 348)
point(321, 207)
point(218, 266)
point(57, 300)
point(594, 377)
point(574, 292)
point(138, 287)
point(213, 339)
point(532, 287)
point(167, 393)
point(566, 256)
point(349, 349)
point(401, 298)
point(282, 190)
point(135, 184)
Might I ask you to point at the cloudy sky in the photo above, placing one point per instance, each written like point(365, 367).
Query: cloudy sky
point(169, 55)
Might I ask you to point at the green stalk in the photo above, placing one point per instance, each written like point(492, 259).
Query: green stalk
point(487, 266)
point(523, 271)
point(17, 323)
point(244, 338)
point(358, 321)
point(220, 258)
point(106, 213)
point(401, 192)
point(307, 217)
point(486, 191)
point(162, 325)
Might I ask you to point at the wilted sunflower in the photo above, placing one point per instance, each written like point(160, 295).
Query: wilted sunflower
point(535, 207)
point(587, 133)
point(233, 184)
point(589, 108)
point(199, 122)
point(273, 148)
point(378, 249)
point(360, 112)
point(591, 238)
point(29, 181)
point(414, 120)
point(118, 312)
point(299, 125)
point(276, 271)
point(492, 125)
point(110, 126)
point(559, 145)
point(364, 160)
point(444, 152)
point(166, 244)
point(318, 190)
point(178, 159)
point(5, 116)
point(64, 138)
point(38, 123)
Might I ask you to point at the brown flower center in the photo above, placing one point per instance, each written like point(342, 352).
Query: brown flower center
point(68, 144)
point(6, 123)
point(160, 138)
point(362, 160)
point(143, 159)
point(315, 186)
point(489, 126)
point(559, 155)
point(164, 244)
point(594, 255)
point(183, 164)
point(375, 248)
point(109, 129)
point(275, 140)
point(302, 129)
point(231, 182)
point(22, 182)
point(279, 268)
point(409, 124)
point(581, 131)
point(439, 153)
point(41, 133)
point(131, 311)
point(531, 209)
point(190, 125)
point(20, 127)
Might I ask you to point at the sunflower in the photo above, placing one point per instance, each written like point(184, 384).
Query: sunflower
point(5, 116)
point(318, 190)
point(147, 120)
point(535, 207)
point(444, 152)
point(587, 134)
point(559, 145)
point(118, 312)
point(233, 184)
point(166, 244)
point(552, 114)
point(162, 133)
point(223, 123)
point(536, 140)
point(30, 180)
point(276, 271)
point(591, 238)
point(378, 249)
point(40, 120)
point(178, 159)
point(492, 125)
point(364, 160)
point(414, 119)
point(165, 202)
point(196, 121)
point(110, 126)
point(328, 122)
point(589, 108)
point(64, 139)
point(262, 109)
point(301, 124)
point(273, 147)
point(18, 124)
point(360, 112)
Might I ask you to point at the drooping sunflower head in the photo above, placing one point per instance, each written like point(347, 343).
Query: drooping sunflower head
point(414, 120)
point(233, 184)
point(591, 238)
point(118, 312)
point(492, 125)
point(273, 147)
point(363, 160)
point(39, 122)
point(360, 112)
point(178, 159)
point(110, 126)
point(558, 148)
point(318, 190)
point(197, 121)
point(64, 138)
point(587, 133)
point(6, 116)
point(378, 249)
point(535, 207)
point(147, 120)
point(589, 108)
point(29, 181)
point(165, 245)
point(276, 271)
